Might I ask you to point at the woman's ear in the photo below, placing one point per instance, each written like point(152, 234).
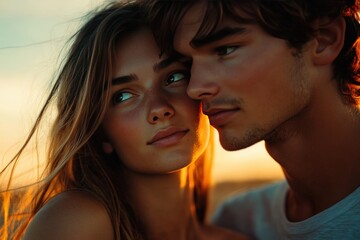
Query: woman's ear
point(329, 38)
point(107, 147)
point(103, 140)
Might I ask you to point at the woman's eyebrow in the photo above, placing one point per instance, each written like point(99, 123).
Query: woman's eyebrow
point(157, 66)
point(216, 36)
point(123, 79)
point(166, 62)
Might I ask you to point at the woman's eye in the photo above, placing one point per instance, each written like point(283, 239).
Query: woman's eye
point(176, 77)
point(122, 97)
point(225, 50)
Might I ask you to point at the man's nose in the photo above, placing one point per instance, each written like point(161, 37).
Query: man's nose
point(203, 83)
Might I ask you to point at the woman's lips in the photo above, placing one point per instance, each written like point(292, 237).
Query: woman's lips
point(167, 137)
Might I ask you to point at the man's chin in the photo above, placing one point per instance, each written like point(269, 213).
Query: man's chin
point(234, 143)
point(230, 143)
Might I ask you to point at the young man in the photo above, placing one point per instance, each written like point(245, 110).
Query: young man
point(287, 72)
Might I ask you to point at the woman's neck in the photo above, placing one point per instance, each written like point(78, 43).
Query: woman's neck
point(164, 204)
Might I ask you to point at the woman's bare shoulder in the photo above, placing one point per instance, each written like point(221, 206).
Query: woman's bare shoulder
point(71, 215)
point(213, 232)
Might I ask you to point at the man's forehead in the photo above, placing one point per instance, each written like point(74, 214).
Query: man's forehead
point(193, 17)
point(192, 21)
point(189, 24)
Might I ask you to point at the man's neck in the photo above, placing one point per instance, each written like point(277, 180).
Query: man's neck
point(319, 155)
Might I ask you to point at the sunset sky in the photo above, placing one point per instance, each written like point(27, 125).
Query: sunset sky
point(32, 33)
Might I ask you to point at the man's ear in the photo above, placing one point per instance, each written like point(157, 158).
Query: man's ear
point(329, 39)
point(107, 147)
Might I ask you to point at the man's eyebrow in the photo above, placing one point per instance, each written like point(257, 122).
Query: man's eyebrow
point(216, 36)
point(122, 79)
point(166, 62)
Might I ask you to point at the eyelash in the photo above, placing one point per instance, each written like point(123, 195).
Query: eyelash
point(116, 96)
point(220, 50)
point(185, 74)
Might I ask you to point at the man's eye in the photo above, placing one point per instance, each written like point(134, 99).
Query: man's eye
point(122, 97)
point(176, 77)
point(226, 50)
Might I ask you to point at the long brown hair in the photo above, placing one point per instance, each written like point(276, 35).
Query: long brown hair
point(75, 159)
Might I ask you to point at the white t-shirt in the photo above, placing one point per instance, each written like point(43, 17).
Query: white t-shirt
point(261, 214)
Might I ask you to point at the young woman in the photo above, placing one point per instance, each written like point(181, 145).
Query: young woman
point(129, 152)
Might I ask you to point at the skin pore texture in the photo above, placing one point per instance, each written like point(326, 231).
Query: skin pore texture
point(253, 92)
point(159, 134)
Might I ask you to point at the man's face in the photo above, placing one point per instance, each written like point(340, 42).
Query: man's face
point(249, 82)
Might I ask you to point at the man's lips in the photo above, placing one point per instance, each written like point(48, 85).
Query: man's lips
point(220, 116)
point(167, 136)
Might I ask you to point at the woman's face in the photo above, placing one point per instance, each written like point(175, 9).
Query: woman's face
point(151, 123)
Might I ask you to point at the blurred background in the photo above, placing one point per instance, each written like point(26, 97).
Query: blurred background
point(32, 36)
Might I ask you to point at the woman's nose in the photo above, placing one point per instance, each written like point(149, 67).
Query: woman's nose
point(160, 110)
